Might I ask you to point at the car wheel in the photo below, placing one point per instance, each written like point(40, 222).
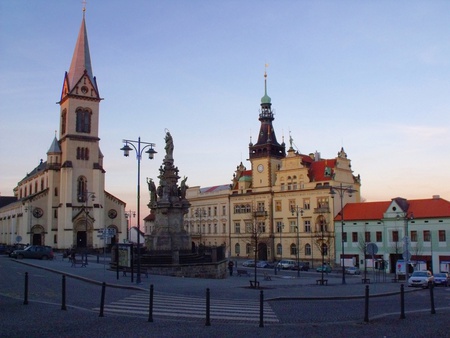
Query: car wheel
point(19, 256)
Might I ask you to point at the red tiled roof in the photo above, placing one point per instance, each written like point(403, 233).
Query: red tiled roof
point(318, 169)
point(421, 208)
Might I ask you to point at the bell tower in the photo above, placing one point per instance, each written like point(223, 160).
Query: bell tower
point(267, 153)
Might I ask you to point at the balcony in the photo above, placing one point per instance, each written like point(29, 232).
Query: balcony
point(322, 210)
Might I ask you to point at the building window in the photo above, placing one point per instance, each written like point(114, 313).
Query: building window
point(63, 121)
point(379, 235)
point(261, 227)
point(248, 228)
point(83, 120)
point(81, 189)
point(209, 228)
point(306, 204)
point(277, 205)
point(279, 226)
point(395, 236)
point(293, 249)
point(56, 191)
point(282, 186)
point(215, 228)
point(224, 210)
point(307, 250)
point(322, 202)
point(55, 213)
point(224, 228)
point(237, 249)
point(82, 153)
point(307, 224)
point(237, 228)
point(248, 249)
point(325, 249)
point(292, 205)
point(413, 236)
point(209, 211)
point(442, 237)
point(354, 237)
point(344, 237)
point(367, 236)
point(292, 226)
point(426, 236)
point(55, 239)
point(279, 249)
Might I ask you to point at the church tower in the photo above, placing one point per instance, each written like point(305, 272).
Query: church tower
point(266, 154)
point(82, 174)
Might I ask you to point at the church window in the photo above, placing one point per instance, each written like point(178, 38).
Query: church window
point(83, 120)
point(81, 189)
point(63, 121)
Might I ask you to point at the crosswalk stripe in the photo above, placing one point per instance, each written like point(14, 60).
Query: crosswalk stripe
point(191, 307)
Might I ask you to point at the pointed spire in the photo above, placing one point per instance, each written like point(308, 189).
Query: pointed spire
point(265, 98)
point(81, 60)
point(54, 147)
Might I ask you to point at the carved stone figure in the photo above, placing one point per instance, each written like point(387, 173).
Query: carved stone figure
point(183, 188)
point(152, 190)
point(169, 146)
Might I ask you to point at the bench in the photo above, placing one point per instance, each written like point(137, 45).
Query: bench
point(365, 280)
point(321, 281)
point(242, 272)
point(254, 284)
point(267, 276)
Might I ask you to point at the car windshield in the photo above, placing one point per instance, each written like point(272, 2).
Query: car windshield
point(419, 274)
point(440, 275)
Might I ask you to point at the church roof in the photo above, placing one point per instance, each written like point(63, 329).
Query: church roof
point(81, 59)
point(54, 147)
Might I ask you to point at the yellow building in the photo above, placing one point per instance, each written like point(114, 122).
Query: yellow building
point(281, 207)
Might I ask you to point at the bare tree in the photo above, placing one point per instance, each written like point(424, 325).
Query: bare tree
point(323, 240)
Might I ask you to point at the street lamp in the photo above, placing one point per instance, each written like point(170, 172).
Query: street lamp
point(128, 215)
point(341, 190)
point(200, 212)
point(298, 211)
point(280, 227)
point(406, 254)
point(136, 145)
point(85, 198)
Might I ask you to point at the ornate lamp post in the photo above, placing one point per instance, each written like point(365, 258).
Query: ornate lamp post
point(406, 253)
point(299, 212)
point(341, 190)
point(136, 145)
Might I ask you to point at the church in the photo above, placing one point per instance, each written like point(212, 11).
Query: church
point(62, 202)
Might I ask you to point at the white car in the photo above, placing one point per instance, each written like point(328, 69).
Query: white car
point(421, 278)
point(286, 264)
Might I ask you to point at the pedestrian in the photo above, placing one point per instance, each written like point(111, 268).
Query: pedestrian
point(230, 267)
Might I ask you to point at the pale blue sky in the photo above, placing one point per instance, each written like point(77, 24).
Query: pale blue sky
point(371, 76)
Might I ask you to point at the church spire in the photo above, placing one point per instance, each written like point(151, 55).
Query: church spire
point(81, 60)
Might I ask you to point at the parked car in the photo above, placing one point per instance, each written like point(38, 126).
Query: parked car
point(421, 278)
point(286, 264)
point(34, 251)
point(442, 278)
point(352, 270)
point(264, 264)
point(249, 263)
point(324, 268)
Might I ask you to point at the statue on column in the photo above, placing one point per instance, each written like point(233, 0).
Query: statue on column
point(169, 145)
point(152, 190)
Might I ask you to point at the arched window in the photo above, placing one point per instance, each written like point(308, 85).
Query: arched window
point(237, 249)
point(248, 249)
point(307, 250)
point(325, 249)
point(63, 121)
point(279, 249)
point(81, 189)
point(83, 120)
point(293, 249)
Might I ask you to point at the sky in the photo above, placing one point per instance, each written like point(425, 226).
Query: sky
point(370, 76)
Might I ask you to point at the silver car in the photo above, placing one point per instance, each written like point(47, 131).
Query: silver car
point(421, 278)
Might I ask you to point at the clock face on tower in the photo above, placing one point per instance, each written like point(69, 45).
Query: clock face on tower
point(260, 168)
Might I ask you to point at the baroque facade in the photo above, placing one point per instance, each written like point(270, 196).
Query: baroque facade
point(279, 208)
point(62, 202)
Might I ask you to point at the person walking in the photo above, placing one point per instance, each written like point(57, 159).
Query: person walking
point(230, 267)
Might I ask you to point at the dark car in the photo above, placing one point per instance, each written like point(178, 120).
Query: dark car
point(304, 266)
point(442, 278)
point(34, 251)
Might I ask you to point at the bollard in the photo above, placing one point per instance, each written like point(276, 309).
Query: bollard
point(63, 303)
point(433, 310)
point(208, 320)
point(25, 299)
point(102, 300)
point(402, 301)
point(366, 307)
point(261, 308)
point(150, 305)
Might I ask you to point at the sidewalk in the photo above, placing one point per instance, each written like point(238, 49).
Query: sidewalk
point(284, 285)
